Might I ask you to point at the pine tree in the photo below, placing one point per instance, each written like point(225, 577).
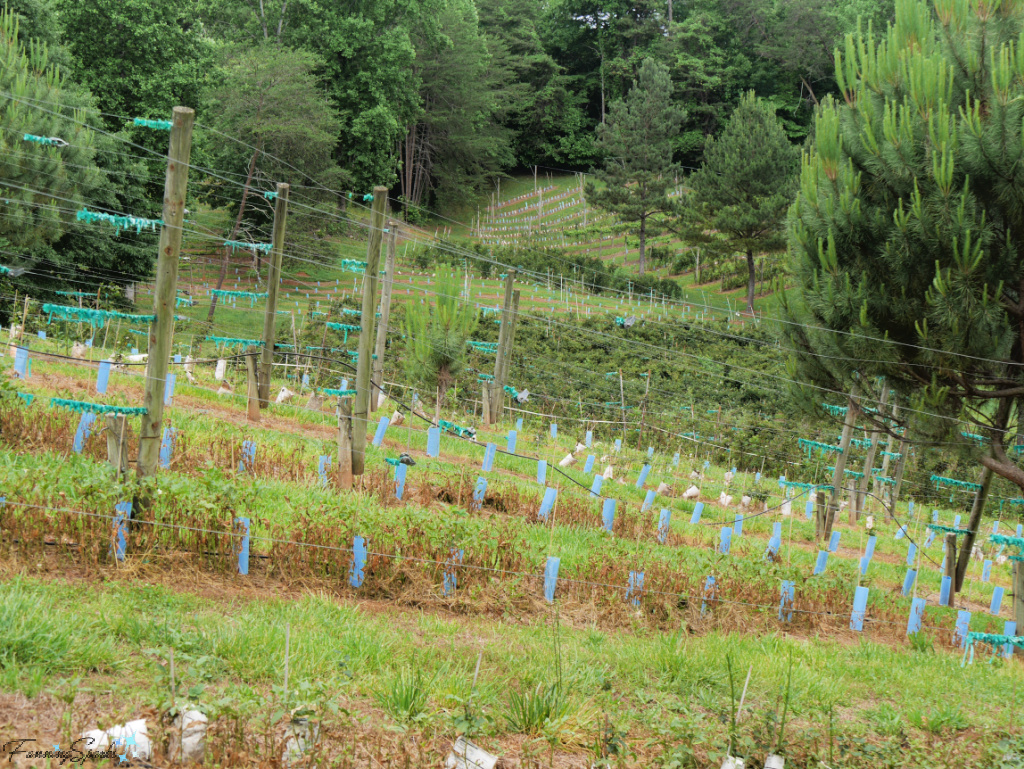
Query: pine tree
point(436, 338)
point(906, 233)
point(746, 182)
point(637, 142)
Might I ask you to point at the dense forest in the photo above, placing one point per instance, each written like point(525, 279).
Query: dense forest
point(436, 98)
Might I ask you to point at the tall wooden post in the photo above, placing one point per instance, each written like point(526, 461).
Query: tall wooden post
point(643, 412)
point(888, 449)
point(499, 363)
point(161, 331)
point(385, 315)
point(857, 503)
point(973, 524)
point(364, 365)
point(345, 443)
point(901, 465)
point(506, 363)
point(273, 279)
point(838, 476)
point(622, 405)
point(252, 384)
point(949, 566)
point(1018, 598)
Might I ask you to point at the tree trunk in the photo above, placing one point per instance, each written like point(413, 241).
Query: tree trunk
point(643, 243)
point(973, 523)
point(751, 278)
point(234, 233)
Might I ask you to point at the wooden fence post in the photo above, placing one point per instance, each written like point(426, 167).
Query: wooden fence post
point(252, 382)
point(838, 476)
point(161, 330)
point(273, 279)
point(949, 566)
point(364, 365)
point(385, 315)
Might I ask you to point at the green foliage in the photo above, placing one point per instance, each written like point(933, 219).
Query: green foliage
point(530, 712)
point(405, 696)
point(436, 336)
point(902, 226)
point(637, 144)
point(746, 182)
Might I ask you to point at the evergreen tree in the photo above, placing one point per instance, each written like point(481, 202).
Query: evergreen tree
point(637, 142)
point(746, 182)
point(436, 337)
point(906, 233)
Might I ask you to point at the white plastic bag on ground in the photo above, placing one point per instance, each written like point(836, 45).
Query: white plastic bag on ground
point(134, 737)
point(466, 755)
point(691, 493)
point(569, 459)
point(284, 395)
point(191, 726)
point(221, 370)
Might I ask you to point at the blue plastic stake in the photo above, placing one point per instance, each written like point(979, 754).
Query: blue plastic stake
point(908, 581)
point(911, 554)
point(21, 363)
point(322, 466)
point(726, 540)
point(400, 472)
point(608, 514)
point(675, 459)
point(242, 529)
point(648, 501)
point(82, 433)
point(956, 521)
point(869, 551)
point(550, 579)
point(822, 563)
point(119, 529)
point(709, 594)
point(737, 526)
point(595, 487)
point(433, 441)
point(618, 444)
point(479, 491)
point(41, 334)
point(664, 522)
point(916, 615)
point(248, 456)
point(378, 437)
point(986, 570)
point(519, 423)
point(809, 509)
point(167, 447)
point(643, 476)
point(902, 532)
point(102, 376)
point(488, 464)
point(786, 600)
point(650, 452)
point(547, 503)
point(177, 357)
point(833, 543)
point(1020, 529)
point(356, 574)
point(589, 438)
point(542, 471)
point(635, 587)
point(588, 466)
point(451, 579)
point(511, 446)
point(554, 430)
point(963, 627)
point(697, 510)
point(860, 605)
point(995, 527)
point(169, 388)
point(929, 538)
point(935, 516)
point(1009, 628)
point(997, 601)
point(944, 592)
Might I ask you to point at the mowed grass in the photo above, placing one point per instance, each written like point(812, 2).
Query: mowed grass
point(666, 694)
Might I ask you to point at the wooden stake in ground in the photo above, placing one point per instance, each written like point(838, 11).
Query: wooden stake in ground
point(497, 385)
point(1018, 599)
point(949, 566)
point(161, 331)
point(385, 314)
point(364, 364)
point(252, 382)
point(857, 503)
point(273, 279)
point(838, 476)
point(117, 454)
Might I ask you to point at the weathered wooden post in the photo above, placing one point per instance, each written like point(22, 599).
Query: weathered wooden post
point(1018, 599)
point(364, 365)
point(252, 382)
point(161, 330)
point(949, 565)
point(497, 384)
point(273, 279)
point(869, 460)
point(852, 410)
point(385, 315)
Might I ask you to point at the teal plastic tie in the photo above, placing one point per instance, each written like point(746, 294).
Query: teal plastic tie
point(46, 141)
point(95, 318)
point(96, 408)
point(156, 125)
point(119, 222)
